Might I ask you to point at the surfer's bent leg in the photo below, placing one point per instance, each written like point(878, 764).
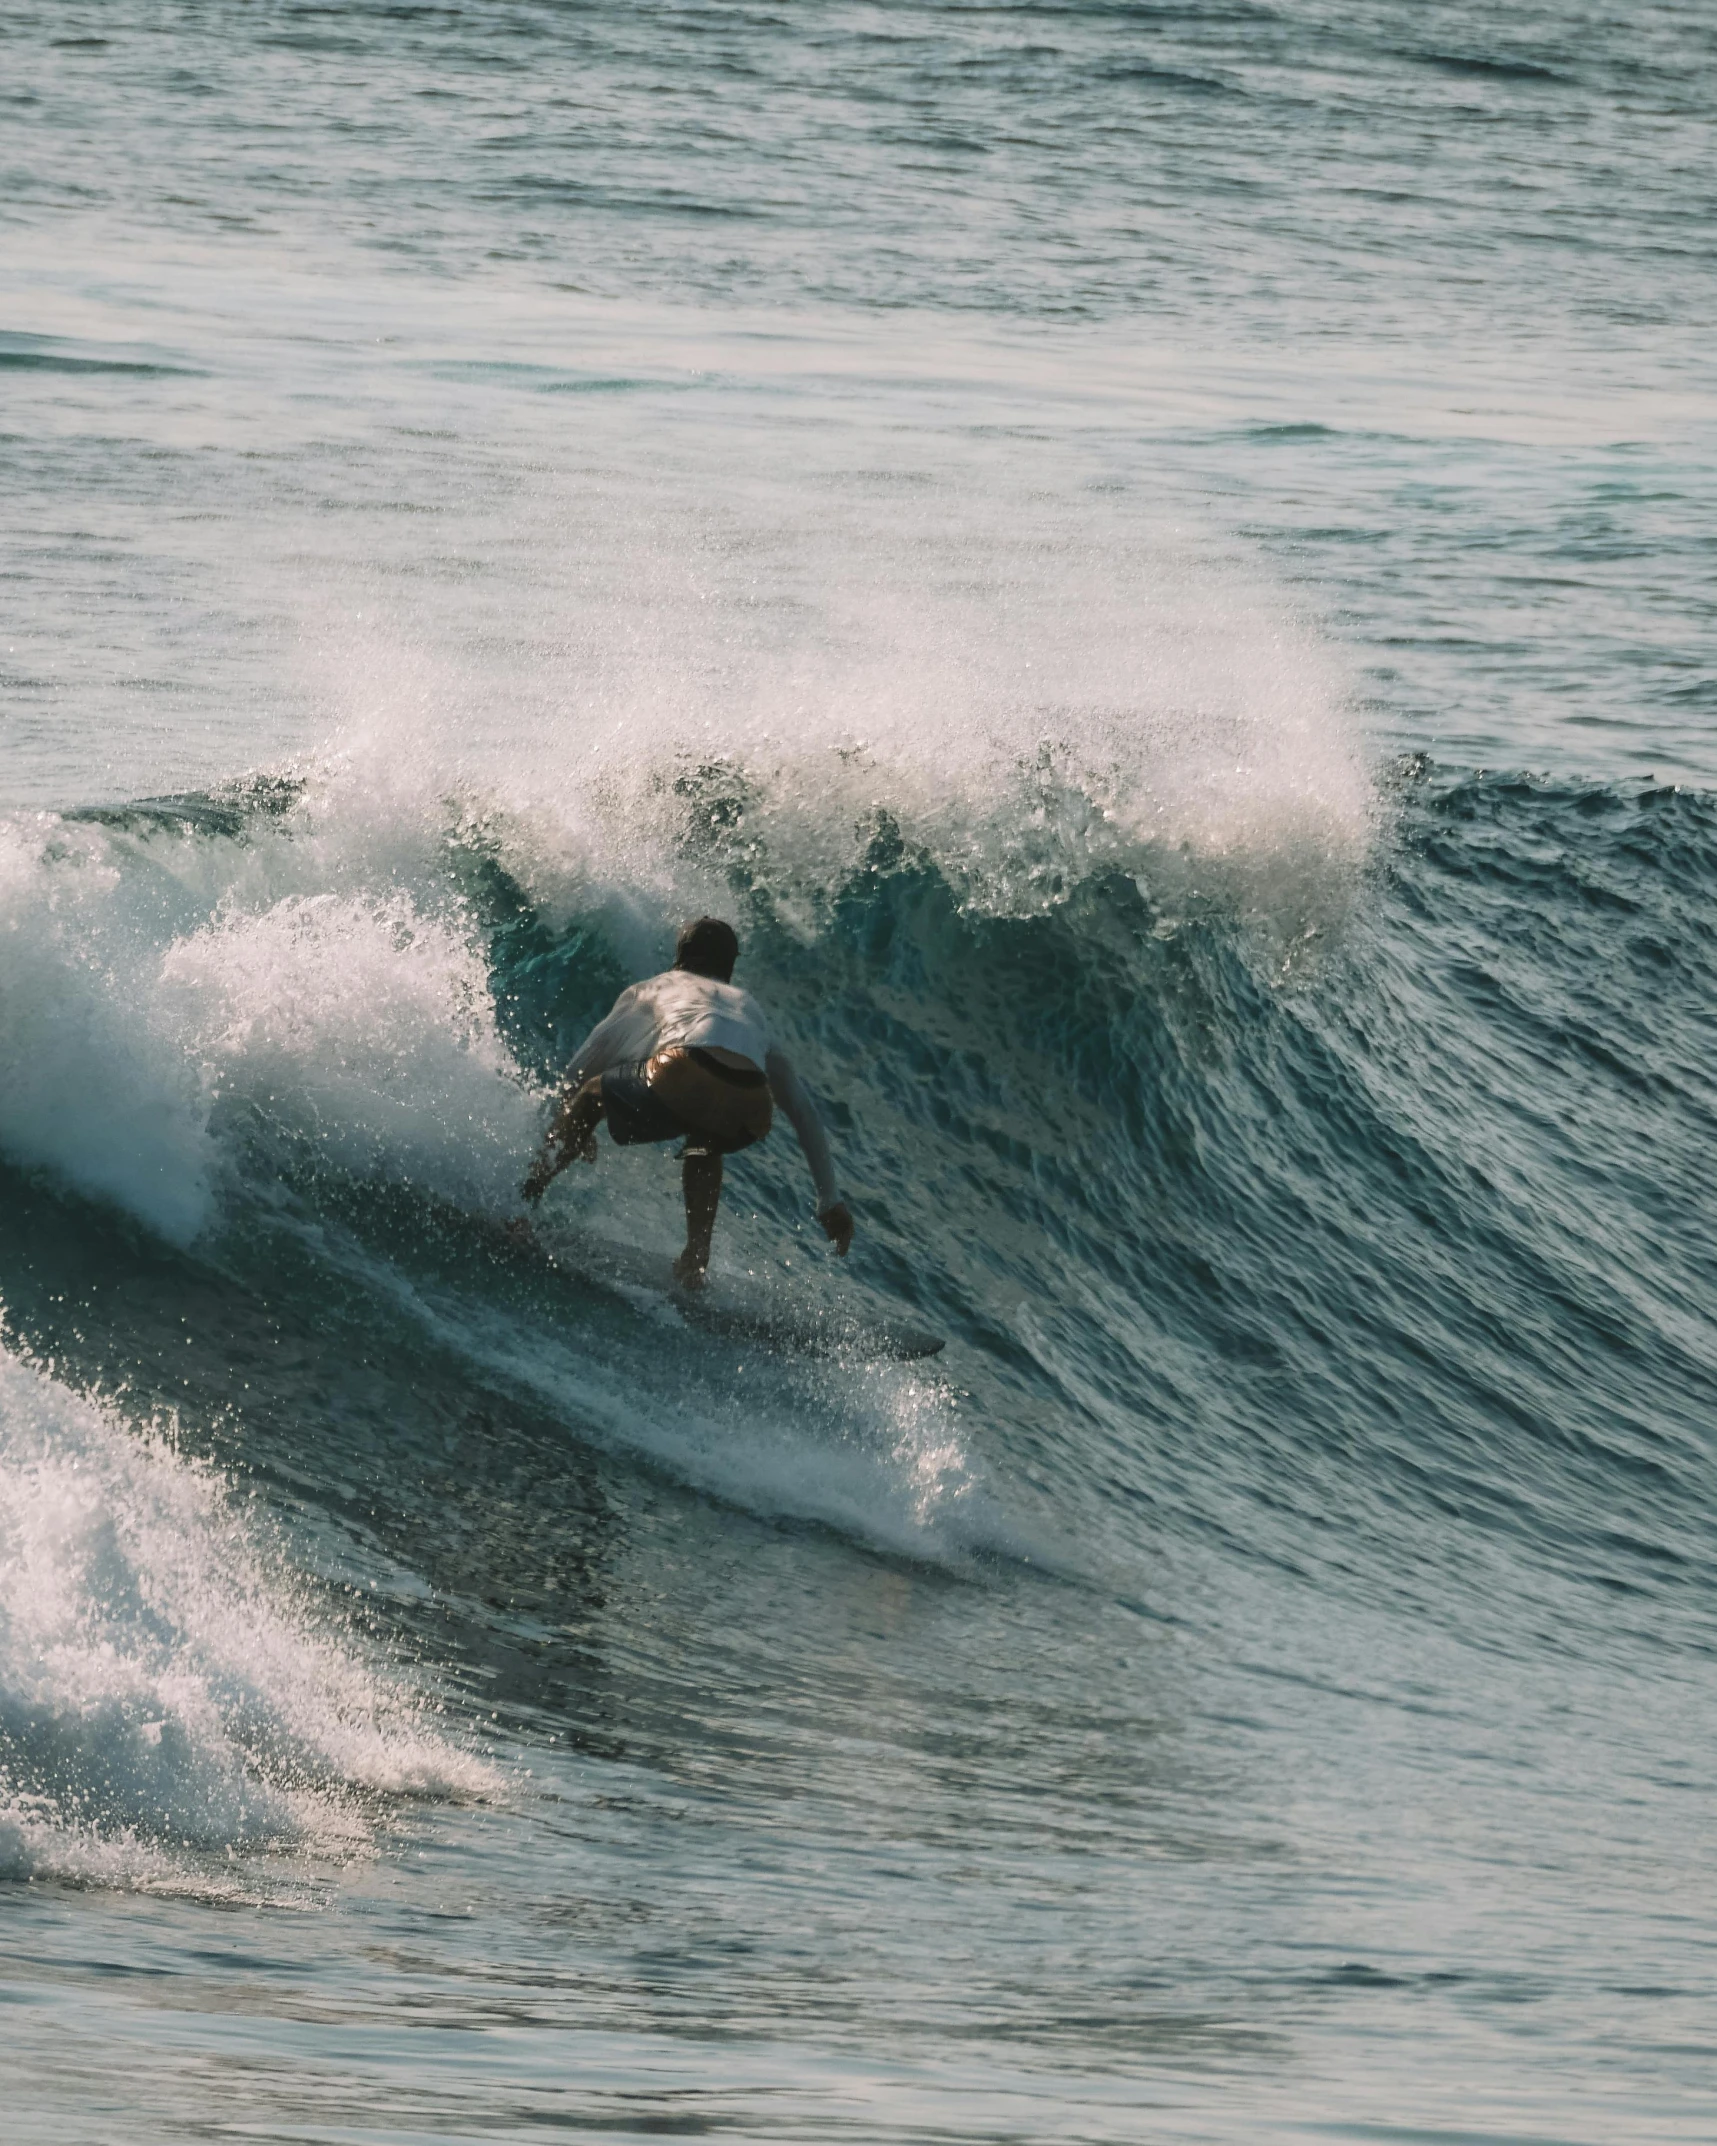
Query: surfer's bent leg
point(702, 1182)
point(571, 1137)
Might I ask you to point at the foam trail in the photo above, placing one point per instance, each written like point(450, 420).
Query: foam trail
point(873, 1451)
point(168, 1689)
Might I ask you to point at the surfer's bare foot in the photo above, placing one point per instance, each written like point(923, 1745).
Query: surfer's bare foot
point(690, 1272)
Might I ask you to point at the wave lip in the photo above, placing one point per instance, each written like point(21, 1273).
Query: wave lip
point(170, 1694)
point(90, 1085)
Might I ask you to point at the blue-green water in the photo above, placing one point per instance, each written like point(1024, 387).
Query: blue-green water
point(1157, 562)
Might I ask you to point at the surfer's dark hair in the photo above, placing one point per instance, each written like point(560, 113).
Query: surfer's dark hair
point(707, 947)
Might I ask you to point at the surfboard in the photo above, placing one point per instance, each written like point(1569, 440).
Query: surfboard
point(778, 1311)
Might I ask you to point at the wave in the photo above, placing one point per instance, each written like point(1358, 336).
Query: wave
point(1364, 1236)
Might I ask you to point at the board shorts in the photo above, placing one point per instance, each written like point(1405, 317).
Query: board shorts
point(690, 1094)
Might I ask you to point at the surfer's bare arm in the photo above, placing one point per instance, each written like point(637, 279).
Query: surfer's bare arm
point(572, 1129)
point(788, 1091)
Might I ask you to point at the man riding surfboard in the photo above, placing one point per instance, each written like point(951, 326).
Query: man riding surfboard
point(689, 1055)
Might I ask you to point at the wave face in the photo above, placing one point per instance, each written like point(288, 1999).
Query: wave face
point(1332, 1187)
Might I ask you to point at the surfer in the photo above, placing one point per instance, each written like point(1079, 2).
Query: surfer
point(689, 1055)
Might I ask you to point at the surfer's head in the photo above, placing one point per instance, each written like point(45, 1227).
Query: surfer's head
point(707, 947)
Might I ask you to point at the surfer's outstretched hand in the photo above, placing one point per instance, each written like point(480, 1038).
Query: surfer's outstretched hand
point(837, 1224)
point(539, 1180)
point(549, 1165)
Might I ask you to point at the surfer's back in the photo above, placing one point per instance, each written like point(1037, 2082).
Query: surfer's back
point(699, 1013)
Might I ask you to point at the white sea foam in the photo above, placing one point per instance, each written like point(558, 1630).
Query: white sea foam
point(362, 1027)
point(168, 1689)
point(164, 989)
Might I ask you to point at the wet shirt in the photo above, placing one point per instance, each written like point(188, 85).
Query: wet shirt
point(677, 1007)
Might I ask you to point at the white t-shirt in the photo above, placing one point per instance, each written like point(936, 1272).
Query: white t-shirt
point(677, 1007)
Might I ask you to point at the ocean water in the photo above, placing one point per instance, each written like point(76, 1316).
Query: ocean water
point(1158, 561)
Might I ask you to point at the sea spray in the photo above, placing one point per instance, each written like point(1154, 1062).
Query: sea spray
point(360, 1031)
point(748, 692)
